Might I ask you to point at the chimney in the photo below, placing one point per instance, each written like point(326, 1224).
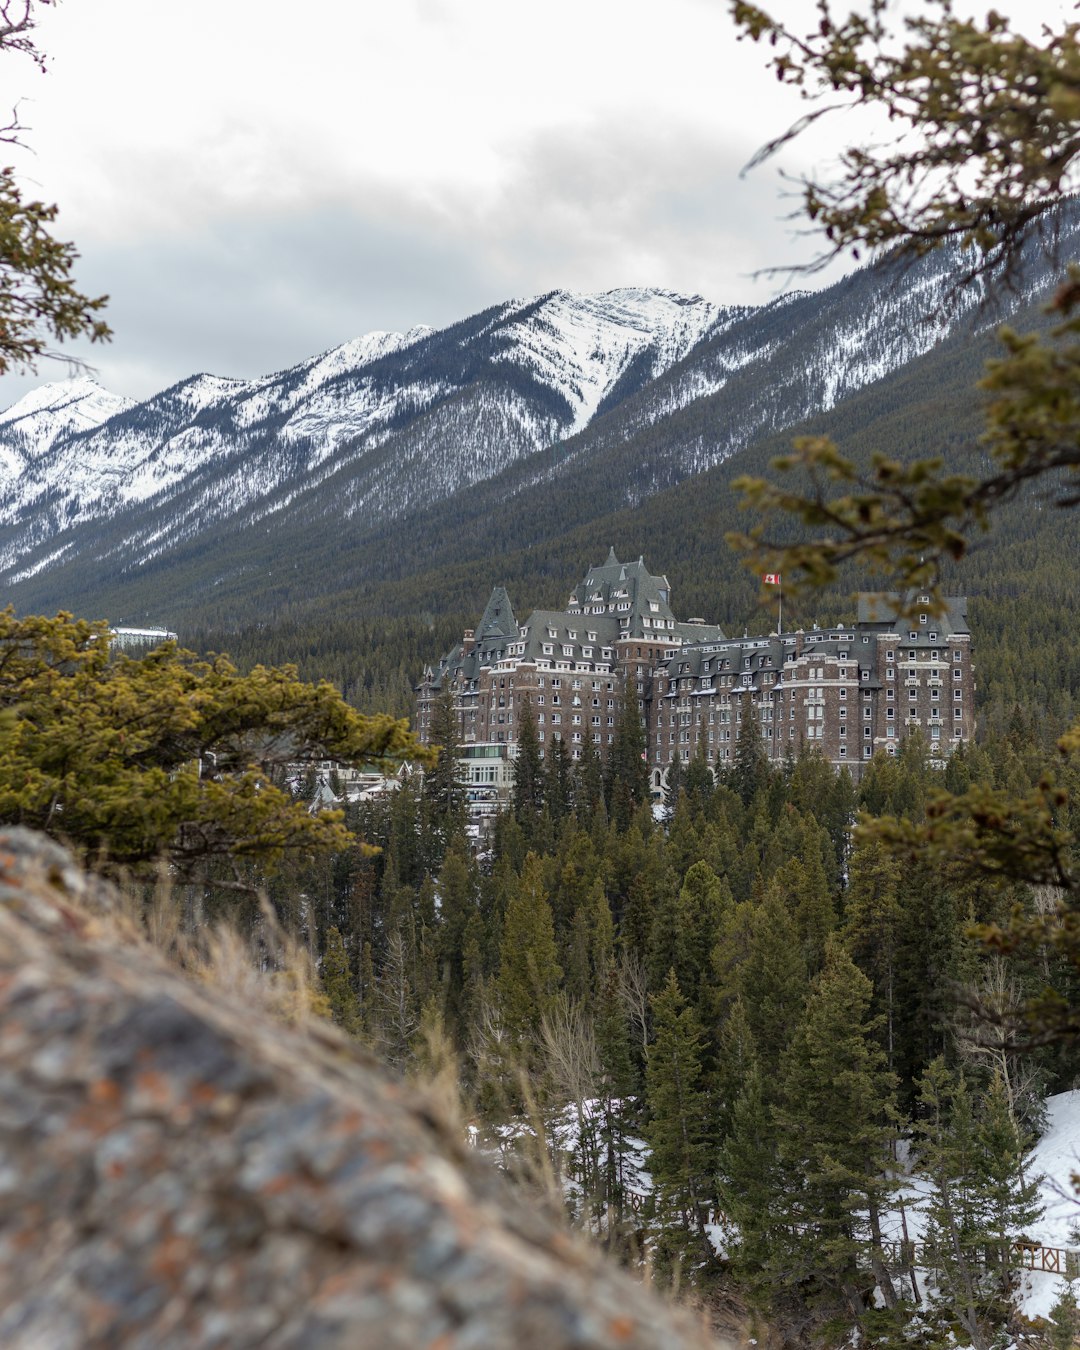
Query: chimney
point(468, 642)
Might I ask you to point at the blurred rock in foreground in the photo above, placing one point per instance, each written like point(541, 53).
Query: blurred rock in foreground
point(177, 1172)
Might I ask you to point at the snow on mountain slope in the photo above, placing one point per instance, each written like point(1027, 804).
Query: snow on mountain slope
point(29, 428)
point(583, 344)
point(418, 415)
point(54, 410)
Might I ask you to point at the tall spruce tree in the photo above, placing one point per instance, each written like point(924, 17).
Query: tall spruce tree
point(338, 986)
point(528, 794)
point(444, 787)
point(588, 786)
point(749, 773)
point(836, 1122)
point(678, 1128)
point(559, 781)
point(872, 930)
point(529, 971)
point(626, 778)
point(946, 1155)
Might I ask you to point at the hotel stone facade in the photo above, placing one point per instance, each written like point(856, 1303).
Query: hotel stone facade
point(851, 691)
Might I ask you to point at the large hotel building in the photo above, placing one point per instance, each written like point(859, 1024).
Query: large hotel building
point(850, 690)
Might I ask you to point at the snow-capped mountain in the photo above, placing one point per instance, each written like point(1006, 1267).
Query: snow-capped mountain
point(617, 396)
point(414, 415)
point(50, 413)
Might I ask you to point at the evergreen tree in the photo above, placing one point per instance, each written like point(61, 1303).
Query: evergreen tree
point(459, 909)
point(588, 786)
point(685, 932)
point(559, 782)
point(699, 779)
point(529, 972)
point(1008, 1198)
point(772, 982)
point(618, 1085)
point(1064, 1320)
point(872, 930)
point(752, 1188)
point(528, 794)
point(836, 1122)
point(337, 983)
point(947, 1157)
point(627, 772)
point(677, 1131)
point(673, 786)
point(444, 788)
point(749, 773)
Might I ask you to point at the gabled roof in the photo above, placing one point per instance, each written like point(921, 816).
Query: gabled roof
point(881, 608)
point(498, 618)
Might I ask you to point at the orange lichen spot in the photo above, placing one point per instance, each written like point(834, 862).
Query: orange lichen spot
point(621, 1328)
point(172, 1258)
point(276, 1185)
point(443, 1342)
point(155, 1087)
point(379, 1150)
point(335, 1284)
point(104, 1092)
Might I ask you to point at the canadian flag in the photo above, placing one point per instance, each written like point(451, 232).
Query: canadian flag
point(771, 578)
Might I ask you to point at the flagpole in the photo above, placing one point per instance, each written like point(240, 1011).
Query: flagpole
point(780, 604)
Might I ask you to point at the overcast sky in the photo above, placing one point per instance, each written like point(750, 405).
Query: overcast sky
point(253, 182)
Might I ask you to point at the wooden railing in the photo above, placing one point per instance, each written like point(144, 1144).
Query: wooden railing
point(1022, 1253)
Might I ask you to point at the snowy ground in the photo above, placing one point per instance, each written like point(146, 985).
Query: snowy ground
point(1055, 1158)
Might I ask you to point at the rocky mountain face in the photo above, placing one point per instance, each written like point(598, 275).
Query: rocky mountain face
point(622, 394)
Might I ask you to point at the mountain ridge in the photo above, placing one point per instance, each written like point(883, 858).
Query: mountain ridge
point(214, 486)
